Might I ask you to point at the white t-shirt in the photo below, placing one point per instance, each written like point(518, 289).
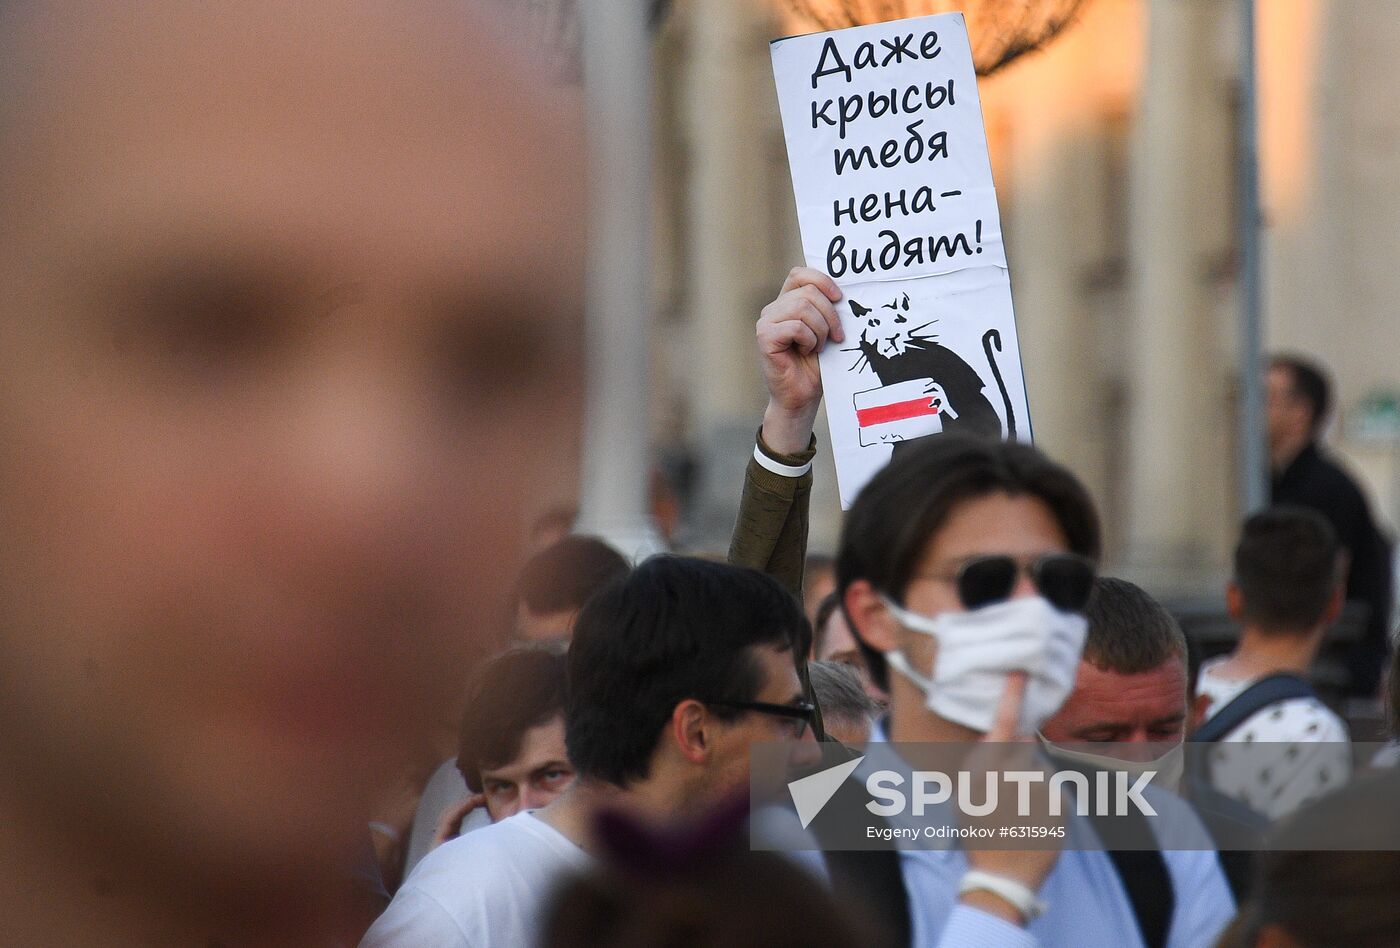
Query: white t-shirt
point(445, 788)
point(488, 889)
point(1304, 750)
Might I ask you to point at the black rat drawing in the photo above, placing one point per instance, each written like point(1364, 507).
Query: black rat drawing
point(898, 349)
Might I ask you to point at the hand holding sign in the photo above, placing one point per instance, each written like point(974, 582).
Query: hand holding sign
point(791, 332)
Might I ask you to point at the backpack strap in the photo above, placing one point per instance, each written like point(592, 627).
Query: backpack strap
point(1269, 690)
point(1130, 844)
point(1148, 883)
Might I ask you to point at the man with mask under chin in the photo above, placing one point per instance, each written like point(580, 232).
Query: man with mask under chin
point(1129, 711)
point(964, 566)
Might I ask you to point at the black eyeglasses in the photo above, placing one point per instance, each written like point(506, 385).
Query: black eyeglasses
point(1064, 579)
point(800, 713)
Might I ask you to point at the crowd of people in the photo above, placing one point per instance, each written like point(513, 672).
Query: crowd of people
point(957, 562)
point(290, 343)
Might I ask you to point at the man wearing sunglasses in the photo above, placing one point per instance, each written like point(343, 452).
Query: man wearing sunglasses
point(964, 567)
point(674, 674)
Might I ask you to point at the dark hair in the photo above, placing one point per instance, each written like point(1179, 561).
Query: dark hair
point(1309, 383)
point(1129, 631)
point(510, 694)
point(1333, 873)
point(1286, 568)
point(675, 628)
point(825, 609)
point(563, 575)
point(889, 526)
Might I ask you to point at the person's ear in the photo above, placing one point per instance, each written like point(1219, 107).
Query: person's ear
point(870, 618)
point(1199, 704)
point(688, 724)
point(1234, 602)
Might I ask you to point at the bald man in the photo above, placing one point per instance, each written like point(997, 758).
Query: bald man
point(288, 330)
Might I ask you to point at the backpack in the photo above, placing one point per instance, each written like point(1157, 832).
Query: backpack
point(1269, 690)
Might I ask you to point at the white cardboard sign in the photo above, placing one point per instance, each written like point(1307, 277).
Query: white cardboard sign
point(895, 201)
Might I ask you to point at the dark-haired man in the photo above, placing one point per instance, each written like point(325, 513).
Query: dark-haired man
point(557, 581)
point(674, 673)
point(1285, 594)
point(511, 753)
point(1130, 694)
point(1131, 684)
point(964, 568)
point(1299, 400)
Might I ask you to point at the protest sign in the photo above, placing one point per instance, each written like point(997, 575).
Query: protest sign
point(895, 201)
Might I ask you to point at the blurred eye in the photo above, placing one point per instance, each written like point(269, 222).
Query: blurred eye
point(206, 319)
point(494, 356)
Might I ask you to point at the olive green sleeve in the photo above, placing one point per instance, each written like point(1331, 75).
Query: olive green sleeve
point(771, 532)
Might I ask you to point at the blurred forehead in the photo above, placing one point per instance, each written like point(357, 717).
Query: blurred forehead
point(400, 130)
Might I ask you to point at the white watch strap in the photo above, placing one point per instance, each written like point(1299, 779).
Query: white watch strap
point(782, 470)
point(1016, 894)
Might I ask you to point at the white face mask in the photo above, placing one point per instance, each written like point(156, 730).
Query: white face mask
point(1168, 768)
point(977, 650)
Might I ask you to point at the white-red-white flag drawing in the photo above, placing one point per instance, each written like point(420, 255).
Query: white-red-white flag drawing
point(900, 412)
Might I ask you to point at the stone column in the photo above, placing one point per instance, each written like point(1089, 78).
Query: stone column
point(616, 68)
point(1180, 505)
point(731, 111)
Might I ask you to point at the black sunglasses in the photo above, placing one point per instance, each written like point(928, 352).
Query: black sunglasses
point(801, 713)
point(1064, 579)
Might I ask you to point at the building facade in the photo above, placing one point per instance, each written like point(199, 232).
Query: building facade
point(1114, 151)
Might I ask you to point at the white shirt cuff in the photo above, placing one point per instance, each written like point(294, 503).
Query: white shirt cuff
point(782, 470)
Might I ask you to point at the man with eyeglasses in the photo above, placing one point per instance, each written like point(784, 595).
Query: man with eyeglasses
point(674, 674)
point(964, 567)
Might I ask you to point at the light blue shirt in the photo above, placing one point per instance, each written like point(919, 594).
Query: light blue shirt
point(1087, 905)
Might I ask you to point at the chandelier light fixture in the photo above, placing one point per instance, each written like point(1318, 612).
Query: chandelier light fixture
point(1001, 30)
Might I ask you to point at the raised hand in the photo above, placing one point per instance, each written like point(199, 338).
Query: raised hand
point(791, 332)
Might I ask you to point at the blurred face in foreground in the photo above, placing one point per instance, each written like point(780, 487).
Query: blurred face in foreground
point(288, 331)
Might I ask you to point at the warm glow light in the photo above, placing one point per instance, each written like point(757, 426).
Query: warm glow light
point(1289, 32)
point(1000, 30)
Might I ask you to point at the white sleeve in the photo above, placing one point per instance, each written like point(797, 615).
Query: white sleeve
point(415, 919)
